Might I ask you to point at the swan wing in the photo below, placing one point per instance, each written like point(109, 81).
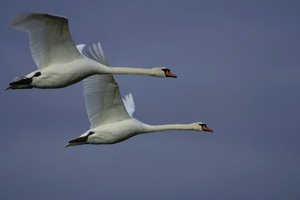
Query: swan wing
point(80, 48)
point(103, 101)
point(49, 38)
point(129, 104)
point(96, 53)
point(102, 96)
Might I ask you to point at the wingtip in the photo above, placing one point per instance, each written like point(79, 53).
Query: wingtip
point(17, 20)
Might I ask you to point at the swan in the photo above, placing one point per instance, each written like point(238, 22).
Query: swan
point(59, 62)
point(111, 117)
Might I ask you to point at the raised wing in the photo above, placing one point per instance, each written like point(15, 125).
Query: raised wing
point(102, 96)
point(49, 37)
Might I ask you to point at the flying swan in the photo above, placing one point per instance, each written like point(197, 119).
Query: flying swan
point(110, 115)
point(59, 62)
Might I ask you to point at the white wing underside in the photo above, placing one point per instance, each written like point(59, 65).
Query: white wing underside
point(102, 96)
point(49, 37)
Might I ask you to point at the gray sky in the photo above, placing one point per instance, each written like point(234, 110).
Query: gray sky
point(238, 70)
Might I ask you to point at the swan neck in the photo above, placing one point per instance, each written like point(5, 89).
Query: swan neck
point(167, 127)
point(103, 69)
point(127, 70)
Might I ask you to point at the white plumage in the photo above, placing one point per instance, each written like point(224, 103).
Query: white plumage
point(58, 60)
point(110, 115)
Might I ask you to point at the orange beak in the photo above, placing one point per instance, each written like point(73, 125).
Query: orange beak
point(169, 74)
point(205, 128)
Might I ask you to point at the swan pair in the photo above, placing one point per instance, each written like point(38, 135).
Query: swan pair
point(61, 63)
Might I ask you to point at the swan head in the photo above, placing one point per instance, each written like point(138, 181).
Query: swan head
point(200, 126)
point(162, 72)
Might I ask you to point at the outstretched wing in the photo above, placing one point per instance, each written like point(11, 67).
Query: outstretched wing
point(102, 96)
point(49, 37)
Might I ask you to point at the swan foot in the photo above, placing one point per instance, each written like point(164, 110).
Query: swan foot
point(23, 82)
point(80, 140)
point(20, 83)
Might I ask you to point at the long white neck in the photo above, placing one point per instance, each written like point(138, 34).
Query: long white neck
point(103, 69)
point(167, 127)
point(128, 70)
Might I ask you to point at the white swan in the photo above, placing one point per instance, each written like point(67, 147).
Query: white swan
point(111, 121)
point(58, 60)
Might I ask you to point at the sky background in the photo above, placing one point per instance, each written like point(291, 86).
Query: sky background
point(238, 69)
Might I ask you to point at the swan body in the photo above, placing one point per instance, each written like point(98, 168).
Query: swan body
point(59, 62)
point(111, 117)
point(119, 131)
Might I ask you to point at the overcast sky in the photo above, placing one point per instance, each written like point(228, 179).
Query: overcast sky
point(238, 69)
